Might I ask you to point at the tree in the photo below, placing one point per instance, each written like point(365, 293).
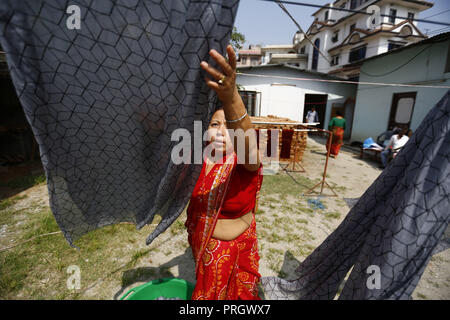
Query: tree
point(237, 39)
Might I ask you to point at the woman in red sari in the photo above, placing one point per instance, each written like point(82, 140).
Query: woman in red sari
point(221, 223)
point(337, 126)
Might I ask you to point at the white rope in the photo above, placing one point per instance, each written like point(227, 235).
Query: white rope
point(286, 123)
point(345, 81)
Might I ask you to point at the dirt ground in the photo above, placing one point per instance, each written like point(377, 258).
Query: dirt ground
point(289, 228)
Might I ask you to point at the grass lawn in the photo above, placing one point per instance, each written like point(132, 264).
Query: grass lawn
point(115, 258)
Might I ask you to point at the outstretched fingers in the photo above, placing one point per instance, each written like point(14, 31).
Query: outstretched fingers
point(231, 57)
point(212, 71)
point(221, 62)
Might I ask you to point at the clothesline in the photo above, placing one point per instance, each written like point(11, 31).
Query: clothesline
point(287, 123)
point(346, 81)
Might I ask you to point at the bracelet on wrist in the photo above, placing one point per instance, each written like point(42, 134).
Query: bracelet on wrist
point(236, 120)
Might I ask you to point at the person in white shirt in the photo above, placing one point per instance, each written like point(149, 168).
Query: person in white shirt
point(397, 141)
point(312, 116)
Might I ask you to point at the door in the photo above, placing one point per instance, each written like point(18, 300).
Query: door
point(319, 102)
point(347, 110)
point(402, 110)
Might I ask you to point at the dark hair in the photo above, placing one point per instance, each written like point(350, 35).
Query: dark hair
point(339, 113)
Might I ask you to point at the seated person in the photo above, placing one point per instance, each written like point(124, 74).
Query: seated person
point(383, 139)
point(397, 141)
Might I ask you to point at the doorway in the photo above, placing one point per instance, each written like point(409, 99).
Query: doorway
point(318, 101)
point(402, 110)
point(347, 110)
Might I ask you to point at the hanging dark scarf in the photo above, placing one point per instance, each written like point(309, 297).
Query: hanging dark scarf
point(103, 100)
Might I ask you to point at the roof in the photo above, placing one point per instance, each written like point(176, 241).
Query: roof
point(250, 52)
point(277, 46)
point(284, 65)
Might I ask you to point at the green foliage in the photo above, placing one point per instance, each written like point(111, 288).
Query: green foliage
point(237, 39)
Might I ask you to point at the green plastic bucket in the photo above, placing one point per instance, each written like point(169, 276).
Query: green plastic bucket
point(167, 287)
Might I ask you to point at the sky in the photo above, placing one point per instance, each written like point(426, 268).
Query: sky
point(265, 23)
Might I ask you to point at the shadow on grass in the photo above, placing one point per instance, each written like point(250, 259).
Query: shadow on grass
point(186, 267)
point(305, 183)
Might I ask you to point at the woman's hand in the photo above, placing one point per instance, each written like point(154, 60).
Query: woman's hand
point(226, 90)
point(235, 113)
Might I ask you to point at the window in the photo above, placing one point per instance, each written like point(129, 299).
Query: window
point(343, 5)
point(244, 60)
point(404, 110)
point(411, 16)
point(335, 37)
point(352, 27)
point(251, 100)
point(334, 60)
point(327, 13)
point(357, 54)
point(353, 4)
point(302, 50)
point(394, 45)
point(406, 31)
point(315, 57)
point(392, 15)
point(254, 61)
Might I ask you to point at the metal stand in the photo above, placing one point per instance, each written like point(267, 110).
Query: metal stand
point(323, 183)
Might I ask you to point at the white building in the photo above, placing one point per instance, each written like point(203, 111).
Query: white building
point(273, 54)
point(379, 108)
point(345, 37)
point(250, 56)
point(266, 91)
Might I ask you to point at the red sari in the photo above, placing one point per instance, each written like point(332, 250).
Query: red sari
point(225, 270)
point(337, 140)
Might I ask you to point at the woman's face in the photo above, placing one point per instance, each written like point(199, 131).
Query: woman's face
point(218, 134)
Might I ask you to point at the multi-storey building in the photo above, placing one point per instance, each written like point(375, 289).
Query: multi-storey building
point(274, 54)
point(250, 56)
point(345, 37)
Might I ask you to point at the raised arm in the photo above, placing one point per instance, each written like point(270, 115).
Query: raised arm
point(234, 109)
